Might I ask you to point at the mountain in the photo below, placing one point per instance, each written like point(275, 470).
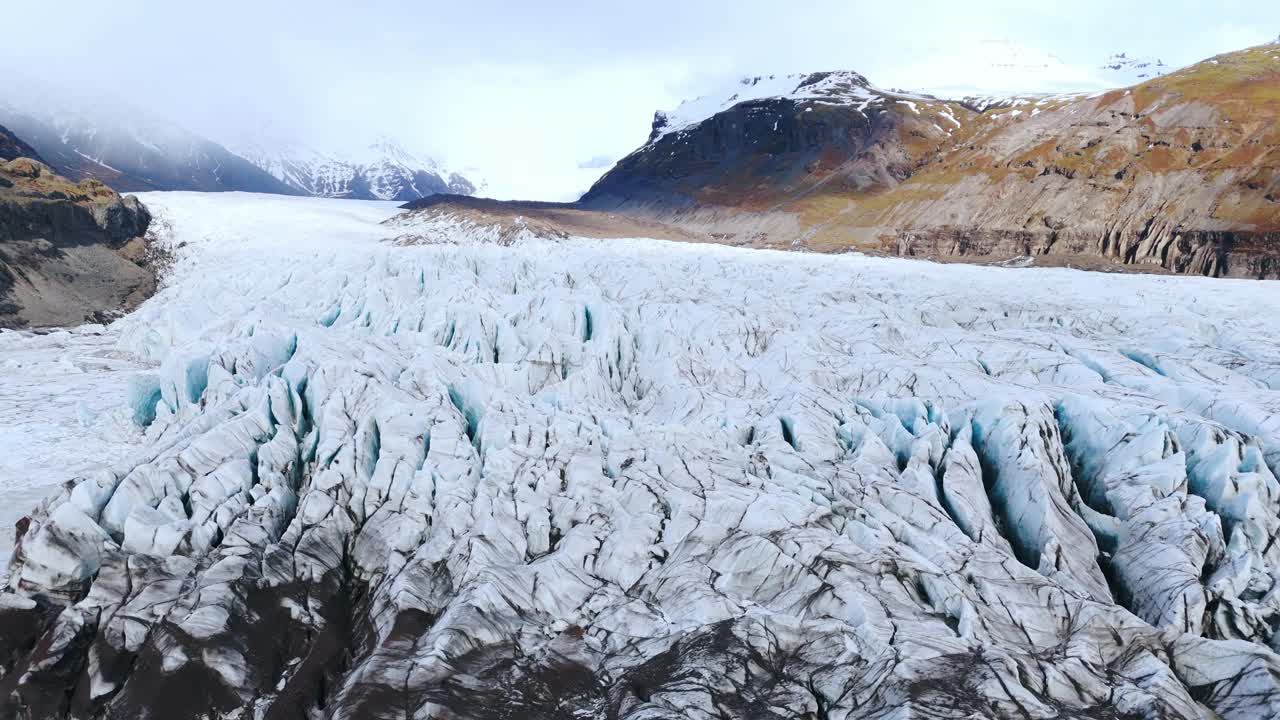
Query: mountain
point(69, 252)
point(1177, 173)
point(778, 137)
point(133, 152)
point(381, 171)
point(130, 151)
point(12, 146)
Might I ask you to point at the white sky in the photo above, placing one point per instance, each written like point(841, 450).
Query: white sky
point(528, 91)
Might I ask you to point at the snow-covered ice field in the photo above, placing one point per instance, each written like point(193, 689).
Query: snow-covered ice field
point(64, 395)
point(694, 478)
point(63, 411)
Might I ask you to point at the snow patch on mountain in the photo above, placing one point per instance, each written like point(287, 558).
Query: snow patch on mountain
point(381, 170)
point(1121, 70)
point(833, 88)
point(991, 74)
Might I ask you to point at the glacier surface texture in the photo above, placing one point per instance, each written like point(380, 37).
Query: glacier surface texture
point(645, 480)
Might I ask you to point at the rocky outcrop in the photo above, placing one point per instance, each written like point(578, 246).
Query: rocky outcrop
point(1213, 253)
point(69, 253)
point(1178, 174)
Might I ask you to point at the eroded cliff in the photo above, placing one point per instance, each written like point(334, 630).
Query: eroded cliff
point(69, 252)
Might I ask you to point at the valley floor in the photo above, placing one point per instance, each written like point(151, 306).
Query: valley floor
point(340, 476)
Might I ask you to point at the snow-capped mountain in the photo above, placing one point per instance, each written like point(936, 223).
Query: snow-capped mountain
point(382, 170)
point(831, 161)
point(83, 135)
point(988, 75)
point(128, 149)
point(838, 88)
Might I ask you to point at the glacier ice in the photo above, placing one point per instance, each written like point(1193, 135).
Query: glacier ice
point(646, 480)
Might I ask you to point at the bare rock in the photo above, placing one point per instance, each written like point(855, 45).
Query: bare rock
point(69, 252)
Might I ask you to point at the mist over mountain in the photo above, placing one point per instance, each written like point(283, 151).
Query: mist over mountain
point(130, 150)
point(12, 146)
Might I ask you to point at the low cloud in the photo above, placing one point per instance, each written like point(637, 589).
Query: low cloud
point(597, 162)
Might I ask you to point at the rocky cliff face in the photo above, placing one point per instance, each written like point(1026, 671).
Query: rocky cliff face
point(69, 252)
point(1180, 173)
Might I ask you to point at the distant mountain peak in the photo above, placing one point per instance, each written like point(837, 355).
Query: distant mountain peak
point(381, 169)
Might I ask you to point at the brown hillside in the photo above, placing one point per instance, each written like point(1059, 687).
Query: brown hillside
point(1179, 173)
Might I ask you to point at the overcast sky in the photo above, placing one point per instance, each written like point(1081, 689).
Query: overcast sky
point(539, 94)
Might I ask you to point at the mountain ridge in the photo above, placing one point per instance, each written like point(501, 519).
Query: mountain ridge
point(382, 170)
point(133, 152)
point(1177, 173)
point(13, 147)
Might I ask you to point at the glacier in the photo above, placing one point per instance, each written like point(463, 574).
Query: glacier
point(62, 413)
point(352, 475)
